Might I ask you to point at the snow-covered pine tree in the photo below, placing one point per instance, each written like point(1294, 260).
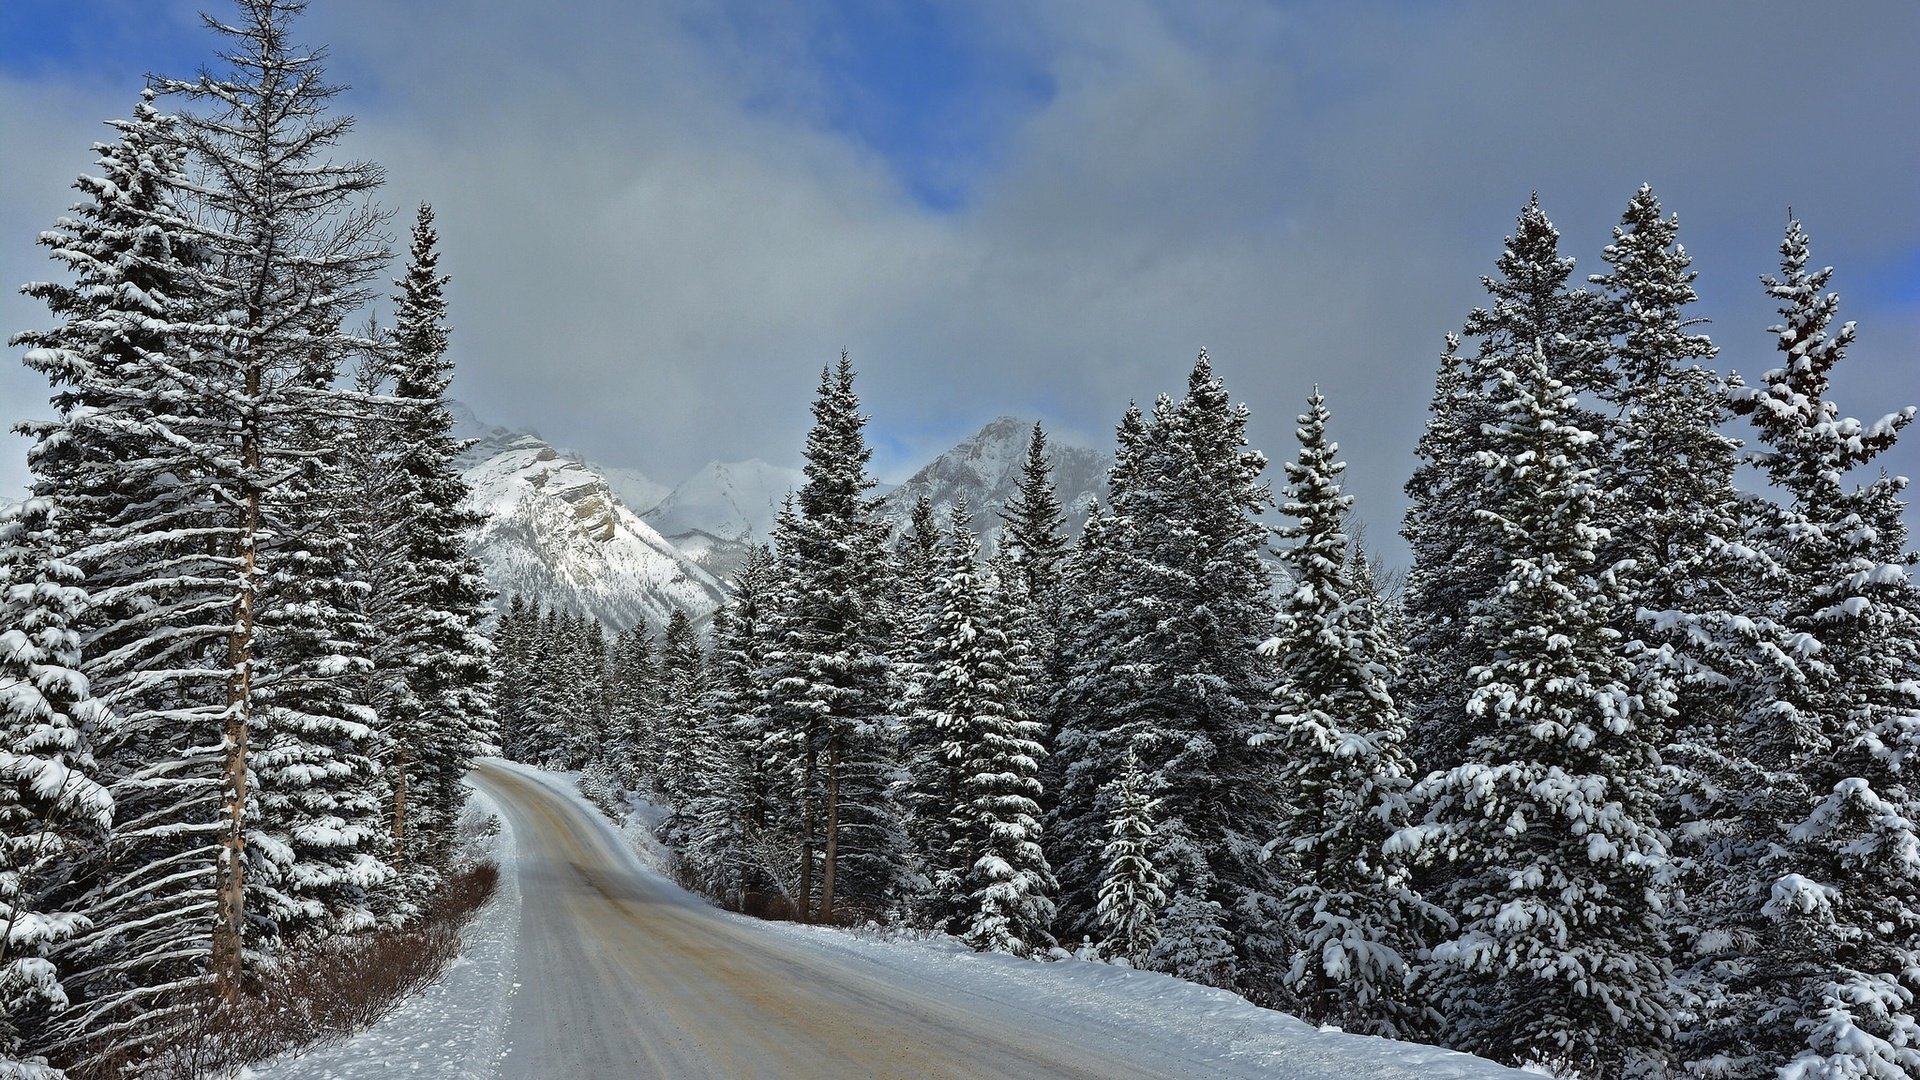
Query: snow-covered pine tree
point(1670, 470)
point(1096, 707)
point(1821, 910)
point(724, 838)
point(289, 240)
point(830, 698)
point(516, 642)
point(1166, 666)
point(683, 699)
point(548, 704)
point(52, 808)
point(1357, 925)
point(432, 639)
point(1133, 891)
point(137, 519)
point(1221, 608)
point(993, 886)
point(1036, 538)
point(320, 832)
point(1560, 957)
point(1455, 549)
point(1035, 525)
point(633, 706)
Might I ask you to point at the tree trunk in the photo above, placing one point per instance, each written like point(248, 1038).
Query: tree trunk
point(831, 870)
point(806, 840)
point(401, 760)
point(230, 907)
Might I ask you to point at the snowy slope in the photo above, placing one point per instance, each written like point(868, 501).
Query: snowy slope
point(555, 529)
point(718, 513)
point(453, 1028)
point(639, 491)
point(728, 500)
point(985, 469)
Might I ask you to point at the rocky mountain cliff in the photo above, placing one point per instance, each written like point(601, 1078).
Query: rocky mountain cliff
point(556, 530)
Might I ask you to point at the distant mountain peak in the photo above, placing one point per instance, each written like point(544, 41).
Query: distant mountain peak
point(985, 467)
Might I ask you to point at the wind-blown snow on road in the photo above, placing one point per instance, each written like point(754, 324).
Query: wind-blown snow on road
point(623, 974)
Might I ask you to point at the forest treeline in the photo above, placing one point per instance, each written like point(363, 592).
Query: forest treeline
point(1613, 783)
point(242, 667)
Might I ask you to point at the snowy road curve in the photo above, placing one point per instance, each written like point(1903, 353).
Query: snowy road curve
point(622, 974)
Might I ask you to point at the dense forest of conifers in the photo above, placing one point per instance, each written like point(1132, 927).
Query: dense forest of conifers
point(242, 671)
point(1612, 783)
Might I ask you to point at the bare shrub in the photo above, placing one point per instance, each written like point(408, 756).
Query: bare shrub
point(319, 995)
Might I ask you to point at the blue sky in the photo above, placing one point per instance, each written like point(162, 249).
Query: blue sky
point(663, 216)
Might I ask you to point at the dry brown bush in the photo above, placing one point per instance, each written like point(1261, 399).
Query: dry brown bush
point(318, 996)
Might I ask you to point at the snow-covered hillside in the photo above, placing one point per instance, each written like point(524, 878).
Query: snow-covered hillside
point(985, 469)
point(718, 513)
point(728, 500)
point(556, 530)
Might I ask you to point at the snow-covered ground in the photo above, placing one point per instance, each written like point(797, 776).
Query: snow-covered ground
point(454, 1028)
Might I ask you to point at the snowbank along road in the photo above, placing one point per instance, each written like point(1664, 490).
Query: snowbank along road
point(623, 974)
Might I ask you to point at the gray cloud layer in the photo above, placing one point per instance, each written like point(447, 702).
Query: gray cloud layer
point(658, 237)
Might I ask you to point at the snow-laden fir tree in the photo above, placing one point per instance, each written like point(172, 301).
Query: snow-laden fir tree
point(829, 711)
point(1035, 525)
point(1455, 548)
point(1133, 891)
point(321, 830)
point(1096, 705)
point(1357, 925)
point(1560, 957)
point(137, 520)
point(724, 837)
point(512, 638)
point(440, 717)
point(683, 699)
point(52, 808)
point(633, 706)
point(1820, 910)
point(994, 887)
point(1166, 666)
point(289, 241)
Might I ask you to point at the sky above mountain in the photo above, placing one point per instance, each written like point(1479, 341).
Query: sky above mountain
point(662, 218)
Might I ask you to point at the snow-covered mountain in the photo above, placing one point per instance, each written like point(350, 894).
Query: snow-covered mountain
point(555, 529)
point(722, 510)
point(729, 500)
point(985, 469)
point(624, 548)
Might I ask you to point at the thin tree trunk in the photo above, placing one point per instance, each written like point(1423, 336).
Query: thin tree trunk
point(831, 870)
point(230, 911)
point(806, 840)
point(402, 760)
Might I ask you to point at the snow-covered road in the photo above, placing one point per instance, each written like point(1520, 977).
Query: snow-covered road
point(622, 974)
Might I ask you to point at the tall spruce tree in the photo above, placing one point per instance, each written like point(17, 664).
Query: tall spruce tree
point(52, 808)
point(1560, 957)
point(830, 703)
point(994, 884)
point(725, 835)
point(1356, 923)
point(1167, 668)
point(137, 520)
point(436, 603)
point(1035, 525)
point(1823, 885)
point(1456, 561)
